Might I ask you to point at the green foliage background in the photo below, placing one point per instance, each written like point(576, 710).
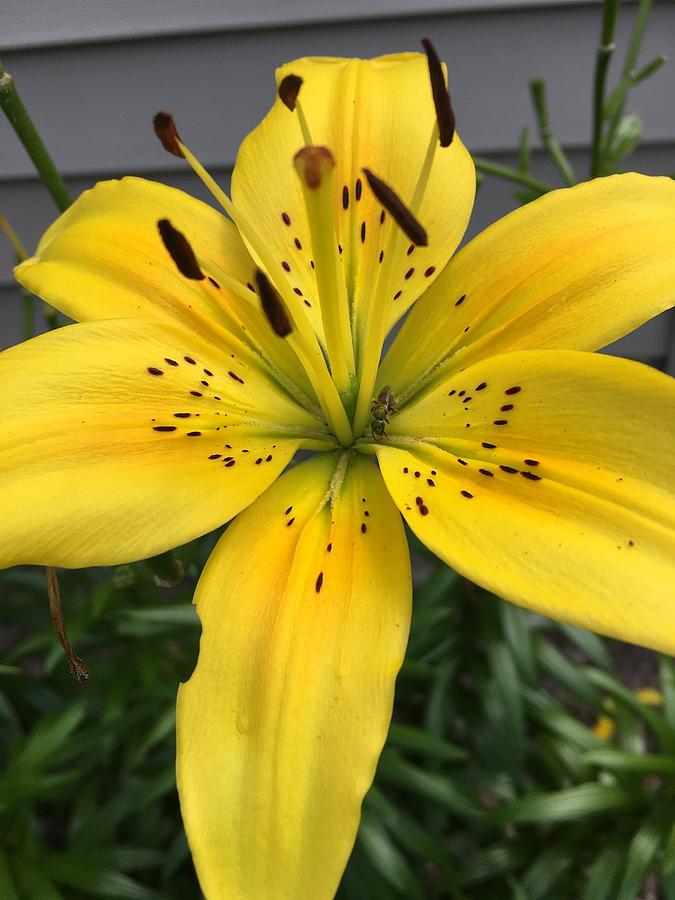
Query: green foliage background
point(493, 784)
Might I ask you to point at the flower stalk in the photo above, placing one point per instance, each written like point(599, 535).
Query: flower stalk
point(21, 122)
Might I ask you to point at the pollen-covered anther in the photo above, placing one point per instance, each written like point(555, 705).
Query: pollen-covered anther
point(397, 209)
point(288, 90)
point(445, 115)
point(312, 163)
point(166, 131)
point(273, 306)
point(180, 251)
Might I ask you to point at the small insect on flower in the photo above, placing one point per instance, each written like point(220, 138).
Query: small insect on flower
point(383, 405)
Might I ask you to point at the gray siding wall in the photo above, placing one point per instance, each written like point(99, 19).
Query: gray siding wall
point(93, 72)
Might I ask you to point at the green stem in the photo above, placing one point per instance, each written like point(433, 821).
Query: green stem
point(22, 123)
point(629, 78)
point(550, 142)
point(487, 167)
point(604, 54)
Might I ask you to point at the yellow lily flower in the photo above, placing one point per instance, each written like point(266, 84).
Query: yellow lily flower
point(208, 351)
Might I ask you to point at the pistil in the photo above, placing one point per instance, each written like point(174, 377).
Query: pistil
point(315, 167)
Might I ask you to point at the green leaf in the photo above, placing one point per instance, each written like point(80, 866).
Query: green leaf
point(397, 771)
point(7, 886)
point(624, 139)
point(641, 853)
point(566, 805)
point(569, 675)
point(386, 858)
point(593, 646)
point(416, 740)
point(31, 881)
point(603, 874)
point(48, 737)
point(623, 761)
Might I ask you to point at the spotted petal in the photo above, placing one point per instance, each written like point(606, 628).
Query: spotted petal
point(121, 439)
point(104, 259)
point(575, 270)
point(549, 478)
point(305, 607)
point(370, 113)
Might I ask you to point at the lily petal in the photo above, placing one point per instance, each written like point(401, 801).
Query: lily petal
point(576, 269)
point(377, 114)
point(104, 259)
point(548, 478)
point(121, 439)
point(305, 608)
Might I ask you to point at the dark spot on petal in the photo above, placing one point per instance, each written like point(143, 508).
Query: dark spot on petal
point(285, 266)
point(196, 394)
point(268, 458)
point(424, 510)
point(481, 386)
point(319, 582)
point(501, 422)
point(431, 482)
point(164, 428)
point(488, 446)
point(358, 188)
point(171, 362)
point(286, 512)
point(409, 273)
point(363, 528)
point(461, 300)
point(462, 462)
point(410, 250)
point(194, 434)
point(506, 407)
point(453, 391)
point(214, 282)
point(531, 476)
point(466, 494)
point(297, 243)
point(182, 415)
point(286, 218)
point(258, 461)
point(215, 456)
point(397, 295)
point(235, 377)
point(429, 272)
point(345, 197)
point(329, 547)
point(531, 462)
point(189, 359)
point(290, 522)
point(153, 371)
point(381, 256)
point(419, 501)
point(508, 469)
point(363, 232)
point(513, 390)
point(486, 472)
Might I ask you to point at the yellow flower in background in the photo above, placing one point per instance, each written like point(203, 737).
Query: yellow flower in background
point(209, 351)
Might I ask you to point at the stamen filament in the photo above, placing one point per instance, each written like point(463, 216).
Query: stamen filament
point(304, 126)
point(377, 322)
point(316, 167)
point(303, 340)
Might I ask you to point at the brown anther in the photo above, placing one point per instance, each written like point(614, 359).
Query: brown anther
point(397, 209)
point(76, 665)
point(311, 163)
point(273, 305)
point(180, 251)
point(288, 90)
point(444, 112)
point(165, 129)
